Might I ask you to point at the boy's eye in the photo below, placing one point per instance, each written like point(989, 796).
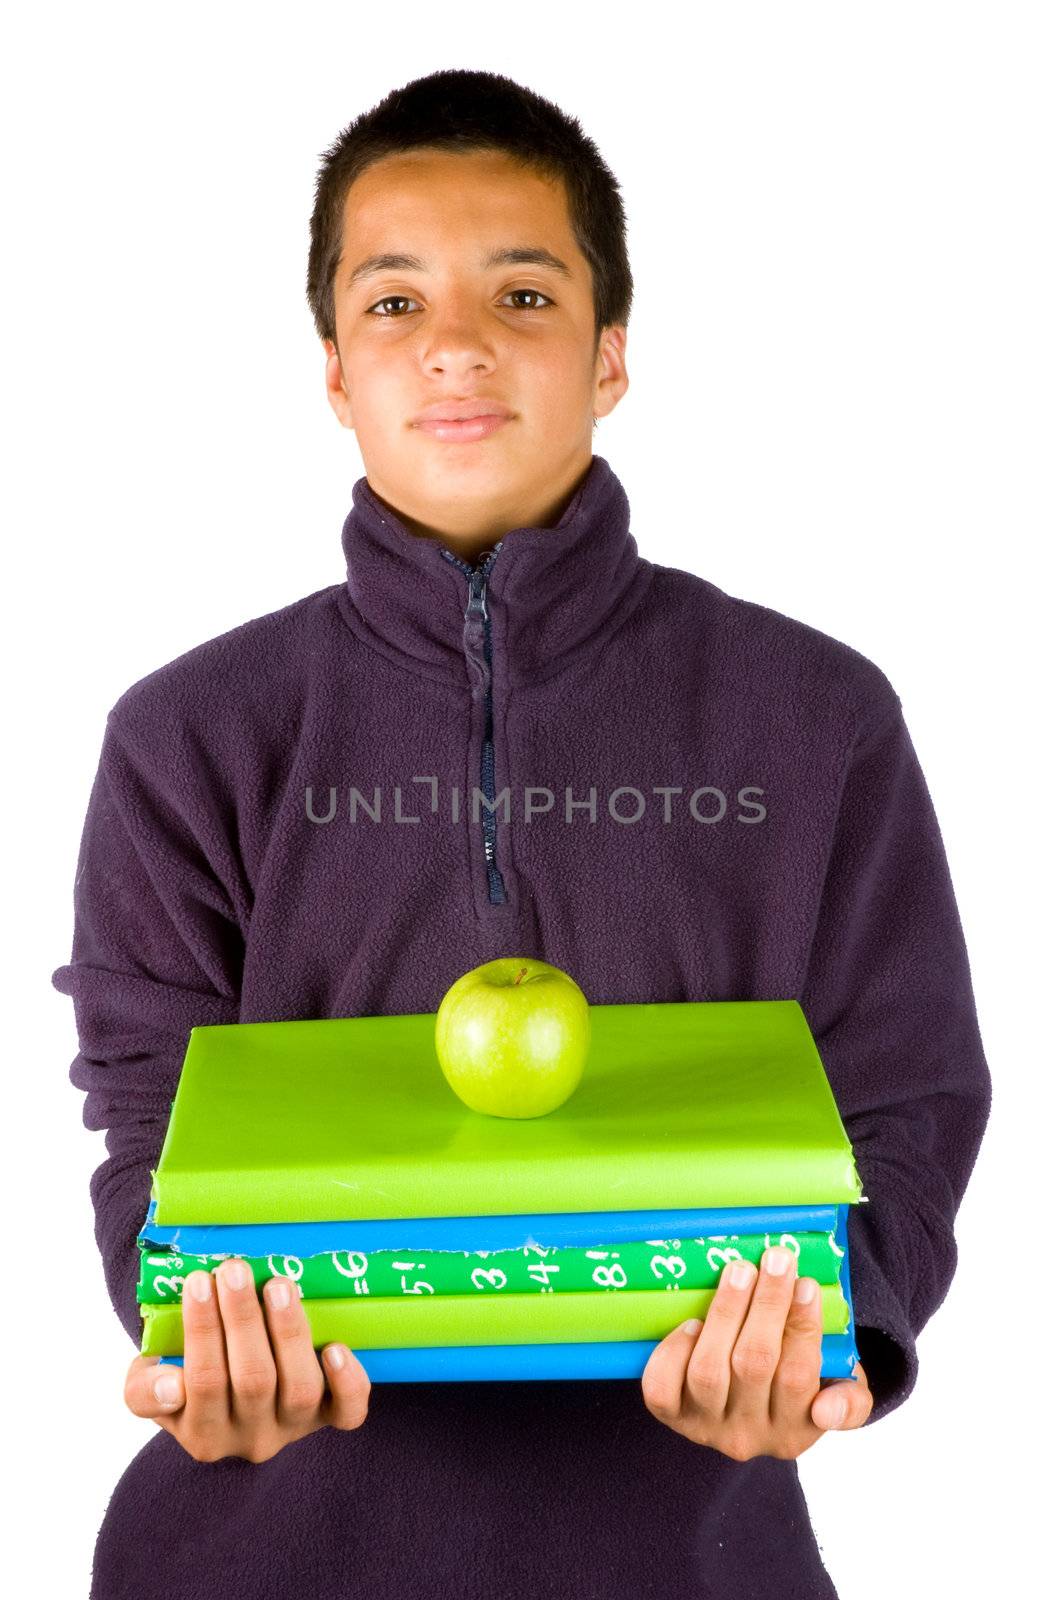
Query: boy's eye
point(529, 291)
point(391, 299)
point(402, 299)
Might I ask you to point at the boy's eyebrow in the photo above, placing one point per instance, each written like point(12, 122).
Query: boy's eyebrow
point(517, 256)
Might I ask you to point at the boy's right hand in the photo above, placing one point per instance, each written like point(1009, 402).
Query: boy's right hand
point(232, 1397)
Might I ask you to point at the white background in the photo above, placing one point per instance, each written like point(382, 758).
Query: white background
point(846, 354)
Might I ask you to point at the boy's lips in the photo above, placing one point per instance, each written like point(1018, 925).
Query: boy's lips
point(456, 430)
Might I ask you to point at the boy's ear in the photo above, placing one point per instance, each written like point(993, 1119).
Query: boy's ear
point(336, 384)
point(611, 383)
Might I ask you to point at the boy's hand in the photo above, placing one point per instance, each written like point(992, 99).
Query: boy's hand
point(231, 1397)
point(747, 1381)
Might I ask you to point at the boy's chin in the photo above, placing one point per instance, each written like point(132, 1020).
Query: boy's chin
point(472, 471)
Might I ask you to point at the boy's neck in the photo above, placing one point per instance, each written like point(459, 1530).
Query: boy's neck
point(468, 542)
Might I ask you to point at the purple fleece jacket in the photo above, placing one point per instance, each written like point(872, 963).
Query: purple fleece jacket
point(239, 864)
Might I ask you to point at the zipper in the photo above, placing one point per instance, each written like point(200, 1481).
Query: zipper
point(476, 641)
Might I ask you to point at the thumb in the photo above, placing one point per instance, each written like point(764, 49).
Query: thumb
point(840, 1404)
point(154, 1389)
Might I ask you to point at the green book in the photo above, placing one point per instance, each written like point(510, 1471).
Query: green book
point(694, 1263)
point(423, 1321)
point(685, 1104)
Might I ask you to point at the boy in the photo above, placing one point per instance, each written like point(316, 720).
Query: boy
point(735, 812)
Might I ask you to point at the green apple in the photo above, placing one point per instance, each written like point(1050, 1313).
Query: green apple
point(512, 1037)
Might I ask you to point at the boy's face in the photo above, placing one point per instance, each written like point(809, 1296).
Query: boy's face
point(454, 328)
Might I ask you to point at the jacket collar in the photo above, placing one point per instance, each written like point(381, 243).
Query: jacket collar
point(552, 593)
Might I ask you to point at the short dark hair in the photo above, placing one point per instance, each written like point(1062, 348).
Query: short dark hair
point(461, 110)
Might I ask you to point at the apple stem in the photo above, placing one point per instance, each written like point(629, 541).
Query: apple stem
point(520, 975)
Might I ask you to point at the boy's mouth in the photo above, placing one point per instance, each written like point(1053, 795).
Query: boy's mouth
point(458, 430)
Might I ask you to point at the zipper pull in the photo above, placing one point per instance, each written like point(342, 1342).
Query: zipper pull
point(476, 615)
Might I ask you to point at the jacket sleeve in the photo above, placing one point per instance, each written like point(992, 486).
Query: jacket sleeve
point(156, 951)
point(888, 998)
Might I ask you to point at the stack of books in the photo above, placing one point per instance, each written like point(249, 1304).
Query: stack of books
point(440, 1243)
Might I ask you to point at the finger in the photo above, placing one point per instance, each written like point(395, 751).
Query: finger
point(756, 1352)
point(347, 1403)
point(708, 1379)
point(249, 1356)
point(663, 1375)
point(843, 1403)
point(300, 1385)
point(153, 1390)
point(797, 1375)
point(206, 1373)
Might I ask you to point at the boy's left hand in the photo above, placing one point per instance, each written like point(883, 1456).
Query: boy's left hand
point(748, 1381)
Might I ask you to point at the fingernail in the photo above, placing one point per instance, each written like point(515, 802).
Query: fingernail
point(777, 1260)
point(741, 1274)
point(335, 1357)
point(279, 1293)
point(236, 1274)
point(167, 1389)
point(804, 1290)
point(198, 1285)
point(692, 1325)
